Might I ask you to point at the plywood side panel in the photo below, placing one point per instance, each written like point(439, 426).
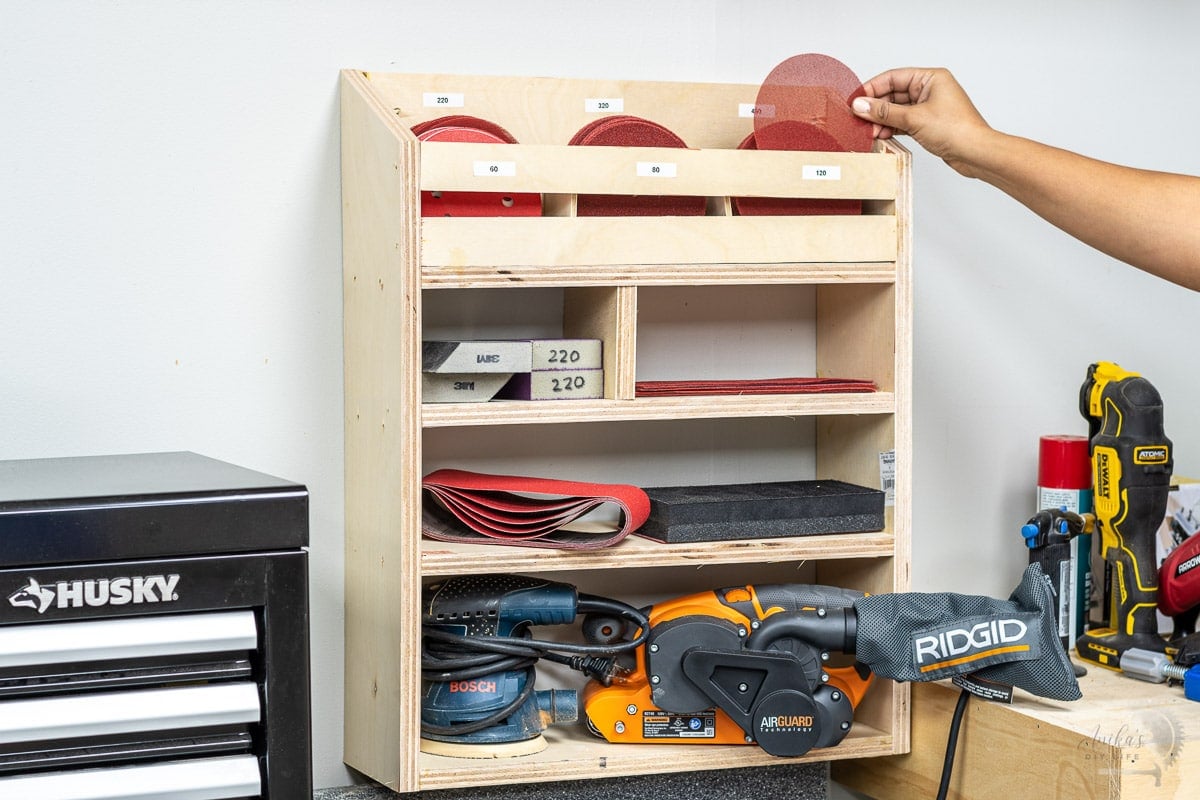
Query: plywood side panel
point(381, 297)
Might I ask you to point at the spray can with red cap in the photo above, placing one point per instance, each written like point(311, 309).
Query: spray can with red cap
point(1065, 484)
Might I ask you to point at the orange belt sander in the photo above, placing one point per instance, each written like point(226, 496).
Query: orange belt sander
point(711, 672)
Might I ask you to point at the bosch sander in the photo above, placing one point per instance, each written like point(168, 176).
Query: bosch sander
point(478, 661)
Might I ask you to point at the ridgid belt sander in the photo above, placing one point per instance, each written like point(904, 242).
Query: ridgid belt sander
point(753, 664)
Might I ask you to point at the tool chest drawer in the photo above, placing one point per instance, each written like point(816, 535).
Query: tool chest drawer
point(182, 676)
point(670, 297)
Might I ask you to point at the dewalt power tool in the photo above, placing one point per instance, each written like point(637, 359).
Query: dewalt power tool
point(478, 658)
point(1131, 472)
point(755, 664)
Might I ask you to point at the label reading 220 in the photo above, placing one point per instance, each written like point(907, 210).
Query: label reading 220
point(443, 99)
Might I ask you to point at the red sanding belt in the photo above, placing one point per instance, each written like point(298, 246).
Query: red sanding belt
point(477, 508)
point(629, 131)
point(463, 128)
point(755, 386)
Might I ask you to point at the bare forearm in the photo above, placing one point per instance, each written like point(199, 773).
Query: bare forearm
point(1144, 218)
point(1147, 219)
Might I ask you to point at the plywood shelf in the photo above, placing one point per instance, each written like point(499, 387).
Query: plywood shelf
point(680, 274)
point(448, 558)
point(574, 755)
point(517, 412)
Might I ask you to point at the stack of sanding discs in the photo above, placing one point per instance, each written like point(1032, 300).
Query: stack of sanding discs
point(630, 131)
point(463, 128)
point(804, 104)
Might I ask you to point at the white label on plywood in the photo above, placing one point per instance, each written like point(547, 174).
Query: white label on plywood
point(495, 169)
point(752, 110)
point(601, 105)
point(816, 172)
point(444, 99)
point(656, 169)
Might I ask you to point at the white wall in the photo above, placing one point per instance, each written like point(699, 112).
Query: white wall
point(170, 240)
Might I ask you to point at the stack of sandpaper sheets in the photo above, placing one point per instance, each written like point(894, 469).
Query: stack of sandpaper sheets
point(683, 388)
point(761, 510)
point(525, 369)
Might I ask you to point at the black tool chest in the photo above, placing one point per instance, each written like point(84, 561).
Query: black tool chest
point(153, 630)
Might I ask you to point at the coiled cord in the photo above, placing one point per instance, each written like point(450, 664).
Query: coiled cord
point(448, 656)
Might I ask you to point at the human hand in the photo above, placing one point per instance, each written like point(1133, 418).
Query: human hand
point(929, 105)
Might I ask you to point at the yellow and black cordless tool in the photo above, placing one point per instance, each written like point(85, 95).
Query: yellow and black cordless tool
point(1131, 476)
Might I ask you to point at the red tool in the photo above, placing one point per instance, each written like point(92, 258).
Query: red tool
point(1179, 585)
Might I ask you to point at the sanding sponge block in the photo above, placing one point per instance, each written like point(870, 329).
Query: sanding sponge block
point(761, 511)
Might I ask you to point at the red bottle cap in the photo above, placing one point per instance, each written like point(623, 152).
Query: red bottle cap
point(1064, 463)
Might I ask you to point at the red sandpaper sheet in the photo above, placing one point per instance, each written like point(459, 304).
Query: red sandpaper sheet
point(629, 131)
point(686, 388)
point(463, 128)
point(813, 90)
point(476, 507)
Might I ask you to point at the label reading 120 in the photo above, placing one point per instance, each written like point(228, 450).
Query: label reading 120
point(820, 173)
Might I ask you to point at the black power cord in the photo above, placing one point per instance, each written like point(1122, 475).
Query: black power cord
point(952, 743)
point(448, 656)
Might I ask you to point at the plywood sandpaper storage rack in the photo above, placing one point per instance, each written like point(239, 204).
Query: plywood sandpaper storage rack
point(605, 277)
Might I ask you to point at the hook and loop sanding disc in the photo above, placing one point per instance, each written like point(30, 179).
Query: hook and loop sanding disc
point(810, 90)
point(630, 131)
point(804, 104)
point(463, 128)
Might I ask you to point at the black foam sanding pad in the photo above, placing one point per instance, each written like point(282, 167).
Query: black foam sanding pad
point(761, 511)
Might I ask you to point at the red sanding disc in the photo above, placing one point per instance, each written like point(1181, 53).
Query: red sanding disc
point(462, 128)
point(808, 138)
point(464, 121)
point(816, 90)
point(629, 131)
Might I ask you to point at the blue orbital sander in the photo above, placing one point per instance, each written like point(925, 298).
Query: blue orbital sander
point(478, 660)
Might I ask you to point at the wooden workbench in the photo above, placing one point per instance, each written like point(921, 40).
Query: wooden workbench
point(1124, 739)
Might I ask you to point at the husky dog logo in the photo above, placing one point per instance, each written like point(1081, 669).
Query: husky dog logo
point(32, 595)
